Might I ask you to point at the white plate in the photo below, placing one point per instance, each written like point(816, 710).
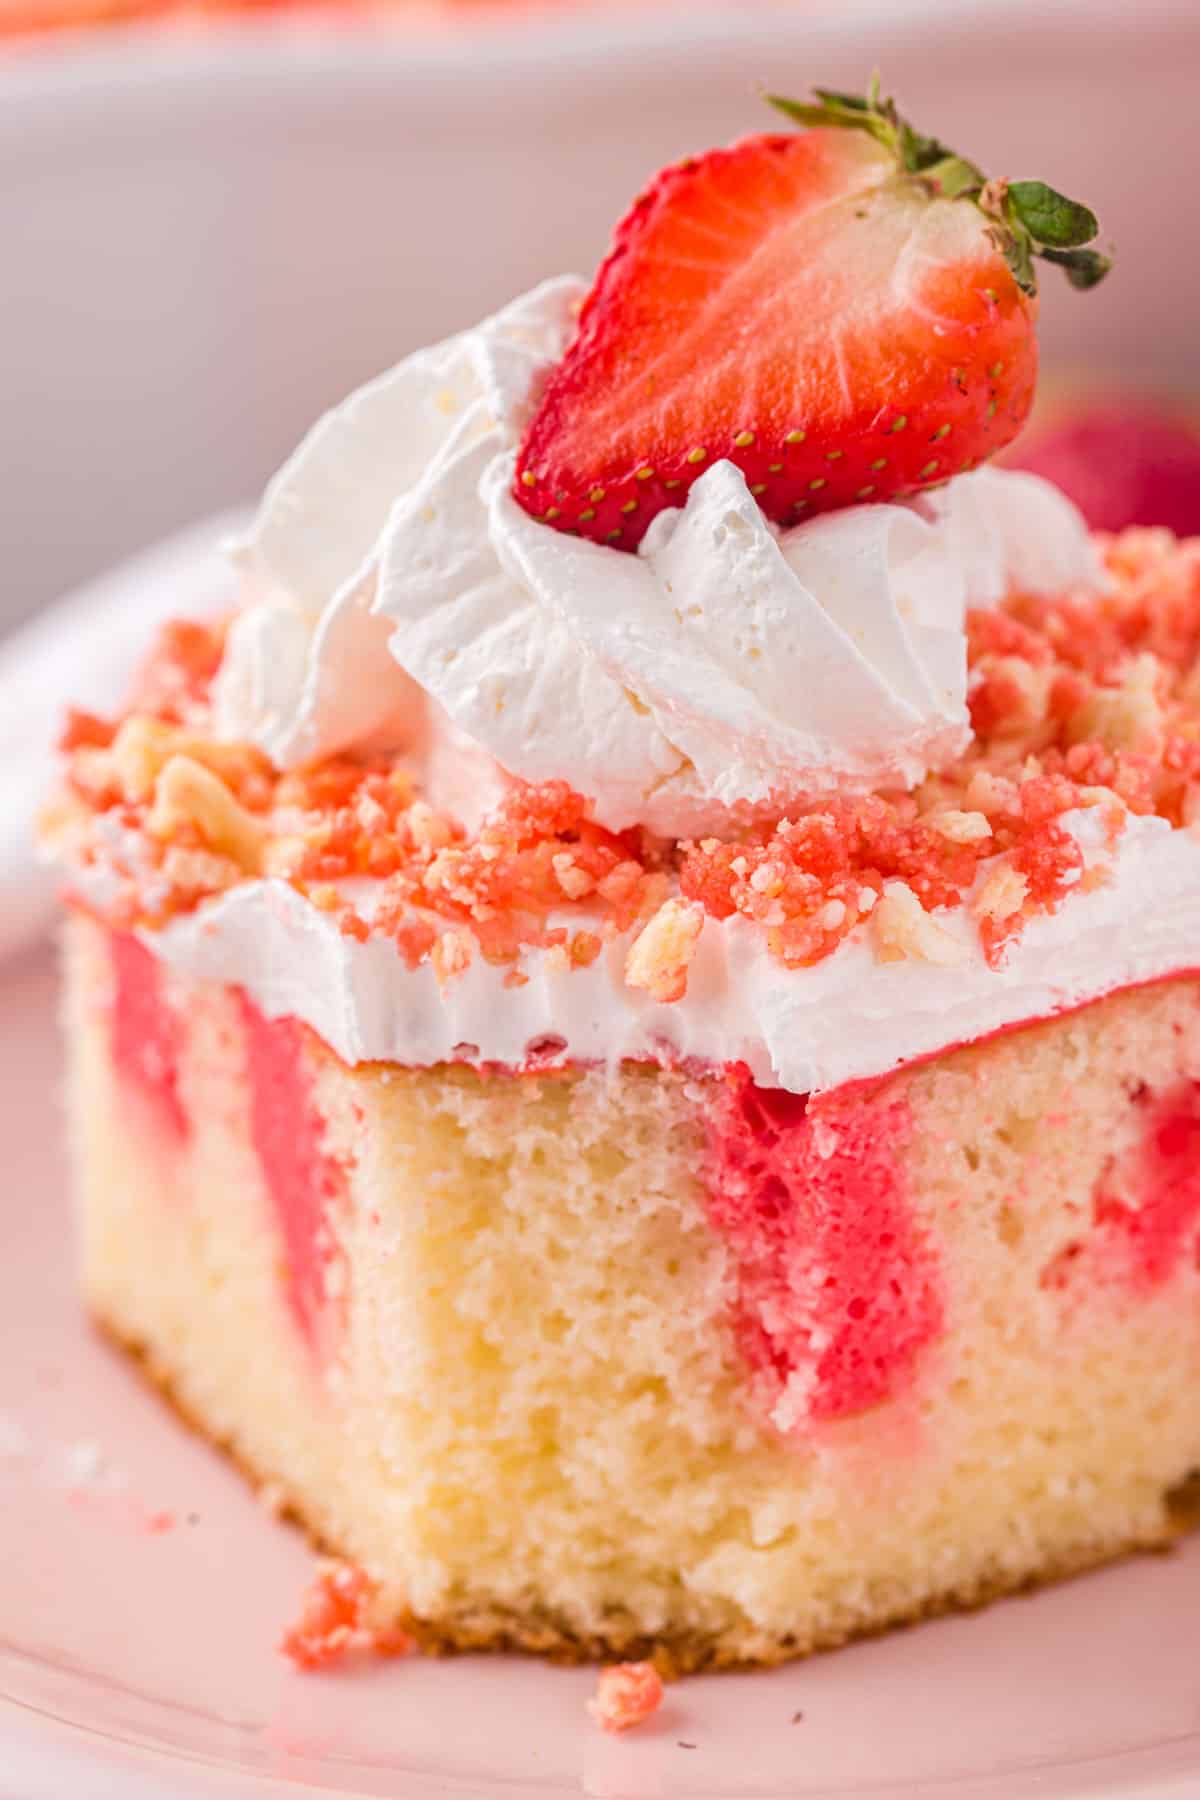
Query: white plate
point(138, 1663)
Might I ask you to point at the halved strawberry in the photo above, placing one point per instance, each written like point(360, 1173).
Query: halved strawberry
point(847, 315)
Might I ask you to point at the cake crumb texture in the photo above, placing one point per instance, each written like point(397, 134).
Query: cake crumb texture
point(524, 1402)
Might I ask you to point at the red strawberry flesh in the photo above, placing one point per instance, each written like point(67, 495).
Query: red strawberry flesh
point(793, 305)
point(847, 315)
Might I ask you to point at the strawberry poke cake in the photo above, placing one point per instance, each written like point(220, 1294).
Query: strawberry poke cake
point(634, 1013)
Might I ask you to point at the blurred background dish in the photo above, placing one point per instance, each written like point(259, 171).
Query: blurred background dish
point(1125, 457)
point(27, 18)
point(211, 236)
point(21, 18)
point(208, 237)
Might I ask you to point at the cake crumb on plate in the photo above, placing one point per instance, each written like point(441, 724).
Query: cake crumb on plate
point(626, 1693)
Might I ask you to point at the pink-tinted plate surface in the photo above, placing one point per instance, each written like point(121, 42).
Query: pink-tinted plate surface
point(142, 1590)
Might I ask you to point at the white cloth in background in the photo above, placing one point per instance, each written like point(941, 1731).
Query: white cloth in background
point(82, 652)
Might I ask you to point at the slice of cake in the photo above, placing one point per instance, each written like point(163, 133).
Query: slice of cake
point(634, 1025)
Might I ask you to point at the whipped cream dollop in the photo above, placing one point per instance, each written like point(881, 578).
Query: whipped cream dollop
point(398, 592)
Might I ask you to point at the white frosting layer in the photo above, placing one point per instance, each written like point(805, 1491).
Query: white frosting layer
point(723, 671)
point(844, 1019)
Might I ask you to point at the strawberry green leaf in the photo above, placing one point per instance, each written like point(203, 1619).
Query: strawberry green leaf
point(1018, 254)
point(846, 111)
point(805, 112)
point(1084, 268)
point(921, 153)
point(1050, 217)
point(856, 102)
point(956, 178)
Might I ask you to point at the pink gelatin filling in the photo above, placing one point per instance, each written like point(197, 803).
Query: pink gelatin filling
point(288, 1132)
point(838, 1288)
point(145, 1032)
point(1162, 1228)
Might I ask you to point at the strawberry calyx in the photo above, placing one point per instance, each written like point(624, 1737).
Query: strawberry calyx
point(1026, 219)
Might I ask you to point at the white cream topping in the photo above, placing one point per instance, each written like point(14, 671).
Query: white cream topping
point(723, 671)
point(307, 670)
point(847, 1018)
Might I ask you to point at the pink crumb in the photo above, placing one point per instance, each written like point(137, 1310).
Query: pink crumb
point(110, 1505)
point(626, 1694)
point(334, 1621)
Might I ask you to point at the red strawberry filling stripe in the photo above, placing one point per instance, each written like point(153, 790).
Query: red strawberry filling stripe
point(146, 1033)
point(838, 1289)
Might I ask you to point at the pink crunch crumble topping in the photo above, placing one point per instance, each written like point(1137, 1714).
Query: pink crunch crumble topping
point(1086, 700)
point(335, 1621)
point(626, 1694)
